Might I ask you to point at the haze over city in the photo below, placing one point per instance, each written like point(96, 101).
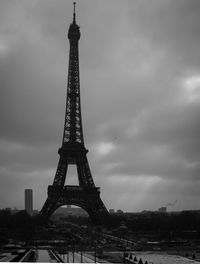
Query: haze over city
point(140, 95)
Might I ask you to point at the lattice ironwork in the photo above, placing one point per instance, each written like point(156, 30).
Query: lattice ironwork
point(73, 151)
point(73, 132)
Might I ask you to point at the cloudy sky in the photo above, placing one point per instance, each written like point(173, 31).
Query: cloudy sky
point(140, 92)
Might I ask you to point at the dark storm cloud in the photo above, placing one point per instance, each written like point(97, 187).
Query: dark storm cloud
point(172, 24)
point(140, 88)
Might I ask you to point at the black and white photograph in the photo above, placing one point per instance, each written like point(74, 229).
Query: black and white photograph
point(100, 131)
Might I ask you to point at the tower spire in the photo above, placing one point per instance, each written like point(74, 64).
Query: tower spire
point(74, 15)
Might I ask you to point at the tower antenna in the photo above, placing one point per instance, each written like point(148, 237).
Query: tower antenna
point(74, 15)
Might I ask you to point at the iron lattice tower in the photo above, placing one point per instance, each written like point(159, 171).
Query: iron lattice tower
point(73, 151)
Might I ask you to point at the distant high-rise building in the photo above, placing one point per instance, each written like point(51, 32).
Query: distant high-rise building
point(29, 201)
point(162, 209)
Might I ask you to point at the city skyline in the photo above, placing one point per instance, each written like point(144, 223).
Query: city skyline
point(140, 94)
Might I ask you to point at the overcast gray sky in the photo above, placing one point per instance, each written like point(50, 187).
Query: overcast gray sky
point(140, 93)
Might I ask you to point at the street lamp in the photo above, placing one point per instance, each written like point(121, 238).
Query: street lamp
point(95, 252)
point(67, 255)
point(73, 253)
point(81, 254)
point(73, 250)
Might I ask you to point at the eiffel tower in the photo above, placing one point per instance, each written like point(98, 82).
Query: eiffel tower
point(85, 195)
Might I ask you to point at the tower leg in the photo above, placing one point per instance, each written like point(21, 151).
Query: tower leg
point(87, 198)
point(48, 208)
